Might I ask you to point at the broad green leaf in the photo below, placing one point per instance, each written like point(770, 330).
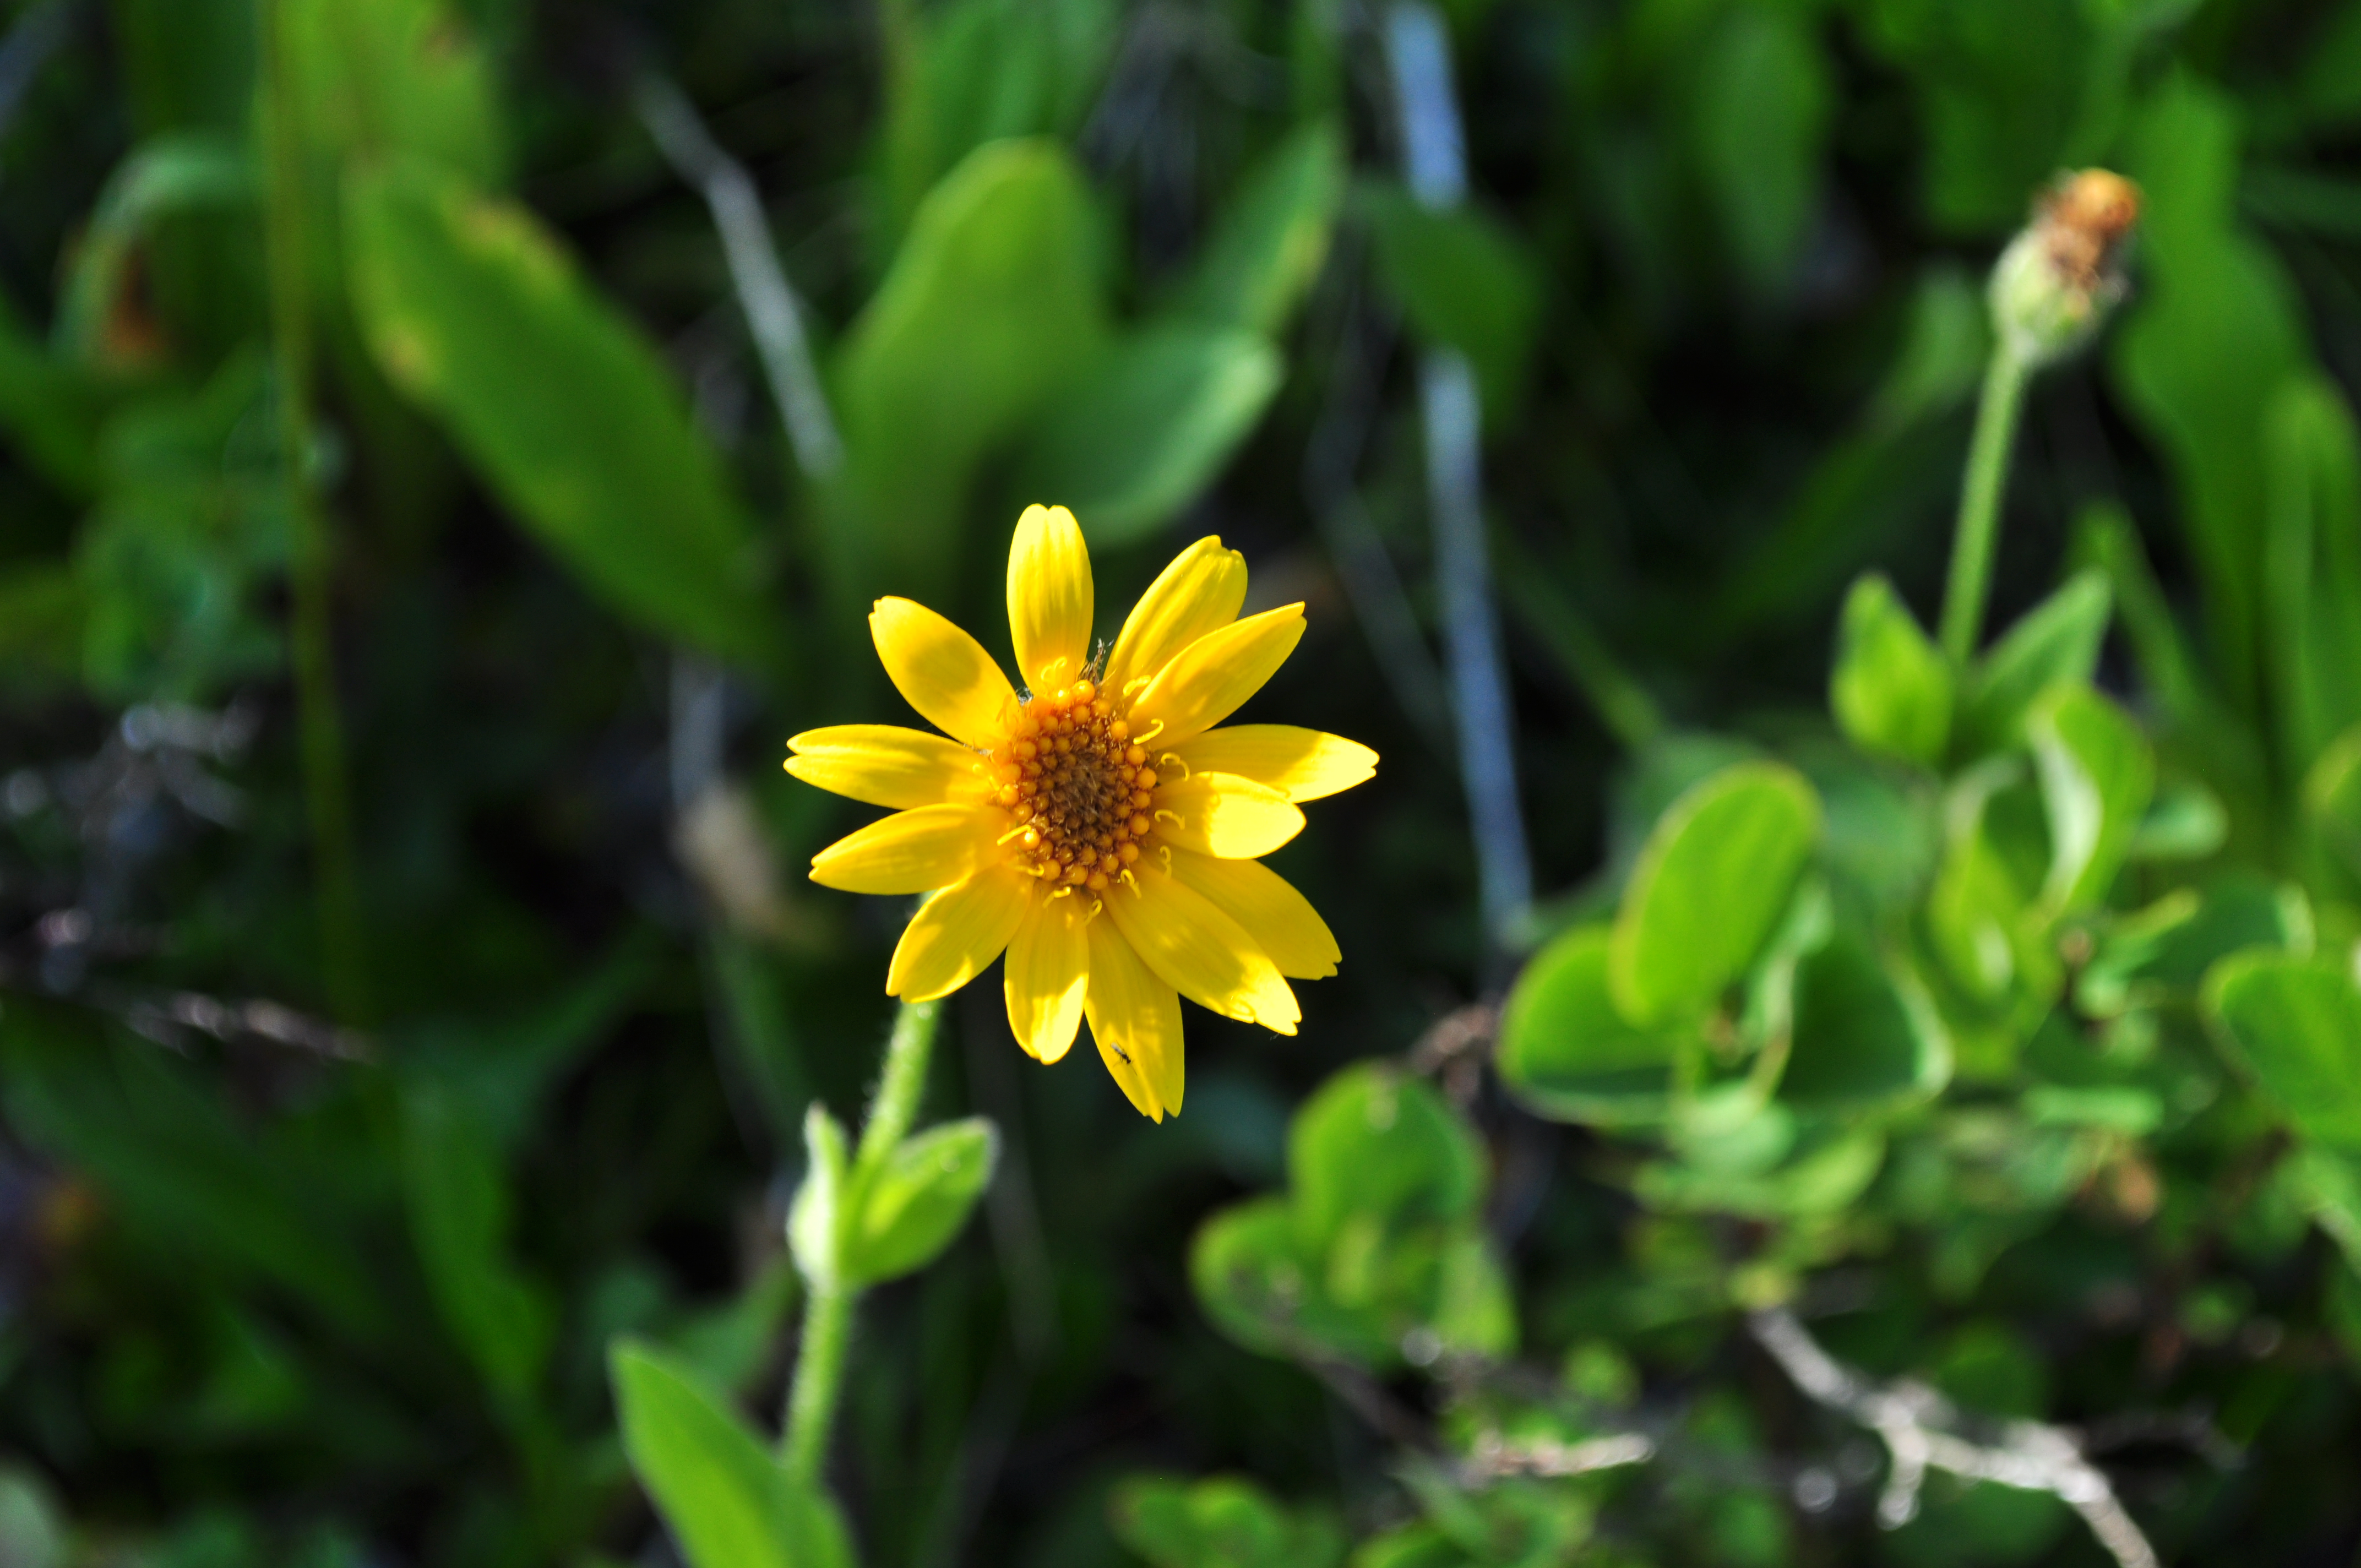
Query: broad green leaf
point(1253, 1282)
point(1219, 1522)
point(1465, 282)
point(475, 311)
point(1827, 1172)
point(1568, 1054)
point(1711, 886)
point(458, 1197)
point(1979, 909)
point(2296, 1024)
point(2058, 641)
point(993, 303)
point(1863, 1036)
point(1891, 690)
point(393, 78)
point(1153, 423)
point(51, 410)
point(919, 1201)
point(1268, 243)
point(2329, 1186)
point(1371, 1141)
point(2097, 776)
point(816, 1219)
point(726, 1500)
point(2217, 332)
point(1760, 121)
point(1475, 1308)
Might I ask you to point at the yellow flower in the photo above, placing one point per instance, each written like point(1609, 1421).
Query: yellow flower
point(1097, 827)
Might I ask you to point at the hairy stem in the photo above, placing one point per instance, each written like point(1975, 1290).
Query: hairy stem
point(1978, 538)
point(312, 564)
point(827, 1310)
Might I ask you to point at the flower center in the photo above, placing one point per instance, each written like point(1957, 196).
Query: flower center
point(1082, 792)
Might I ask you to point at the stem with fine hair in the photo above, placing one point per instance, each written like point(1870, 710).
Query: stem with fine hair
point(827, 1309)
point(311, 562)
point(1978, 538)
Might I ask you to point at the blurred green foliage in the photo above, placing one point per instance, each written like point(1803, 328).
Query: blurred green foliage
point(1998, 1018)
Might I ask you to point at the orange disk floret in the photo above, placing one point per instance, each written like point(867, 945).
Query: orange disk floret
point(1077, 786)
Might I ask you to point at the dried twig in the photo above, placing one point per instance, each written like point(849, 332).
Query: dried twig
point(1919, 1427)
point(1433, 146)
point(1494, 1457)
point(763, 292)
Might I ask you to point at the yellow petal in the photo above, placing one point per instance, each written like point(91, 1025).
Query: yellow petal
point(1199, 592)
point(957, 933)
point(944, 672)
point(1136, 1023)
point(913, 851)
point(1205, 681)
point(1199, 952)
point(1049, 968)
point(1302, 765)
point(1265, 904)
point(1220, 813)
point(886, 765)
point(1049, 598)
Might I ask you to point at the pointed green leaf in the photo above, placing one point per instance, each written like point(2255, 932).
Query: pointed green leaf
point(993, 303)
point(2058, 641)
point(816, 1219)
point(726, 1500)
point(457, 1196)
point(919, 1200)
point(475, 310)
point(1891, 690)
point(2098, 774)
point(1269, 242)
point(1150, 427)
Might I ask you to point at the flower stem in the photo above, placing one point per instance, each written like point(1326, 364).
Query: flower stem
point(312, 564)
point(827, 1307)
point(1978, 538)
point(819, 1375)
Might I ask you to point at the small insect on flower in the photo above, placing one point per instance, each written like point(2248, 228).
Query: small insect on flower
point(1096, 826)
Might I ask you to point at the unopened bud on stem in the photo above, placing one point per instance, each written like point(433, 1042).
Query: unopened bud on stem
point(2059, 278)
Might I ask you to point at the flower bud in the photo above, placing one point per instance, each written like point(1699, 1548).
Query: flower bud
point(2063, 272)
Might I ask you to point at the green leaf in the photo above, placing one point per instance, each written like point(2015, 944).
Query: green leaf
point(2296, 1024)
point(1863, 1036)
point(1569, 1054)
point(2097, 776)
point(2218, 331)
point(1465, 282)
point(1270, 240)
point(1760, 117)
point(993, 303)
point(189, 171)
point(1221, 1522)
point(1891, 690)
point(2332, 797)
point(725, 1499)
point(458, 1202)
point(1254, 1282)
point(1711, 886)
point(919, 1201)
point(1371, 1141)
point(816, 1219)
point(2312, 567)
point(1135, 441)
point(389, 78)
point(2058, 641)
point(473, 311)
